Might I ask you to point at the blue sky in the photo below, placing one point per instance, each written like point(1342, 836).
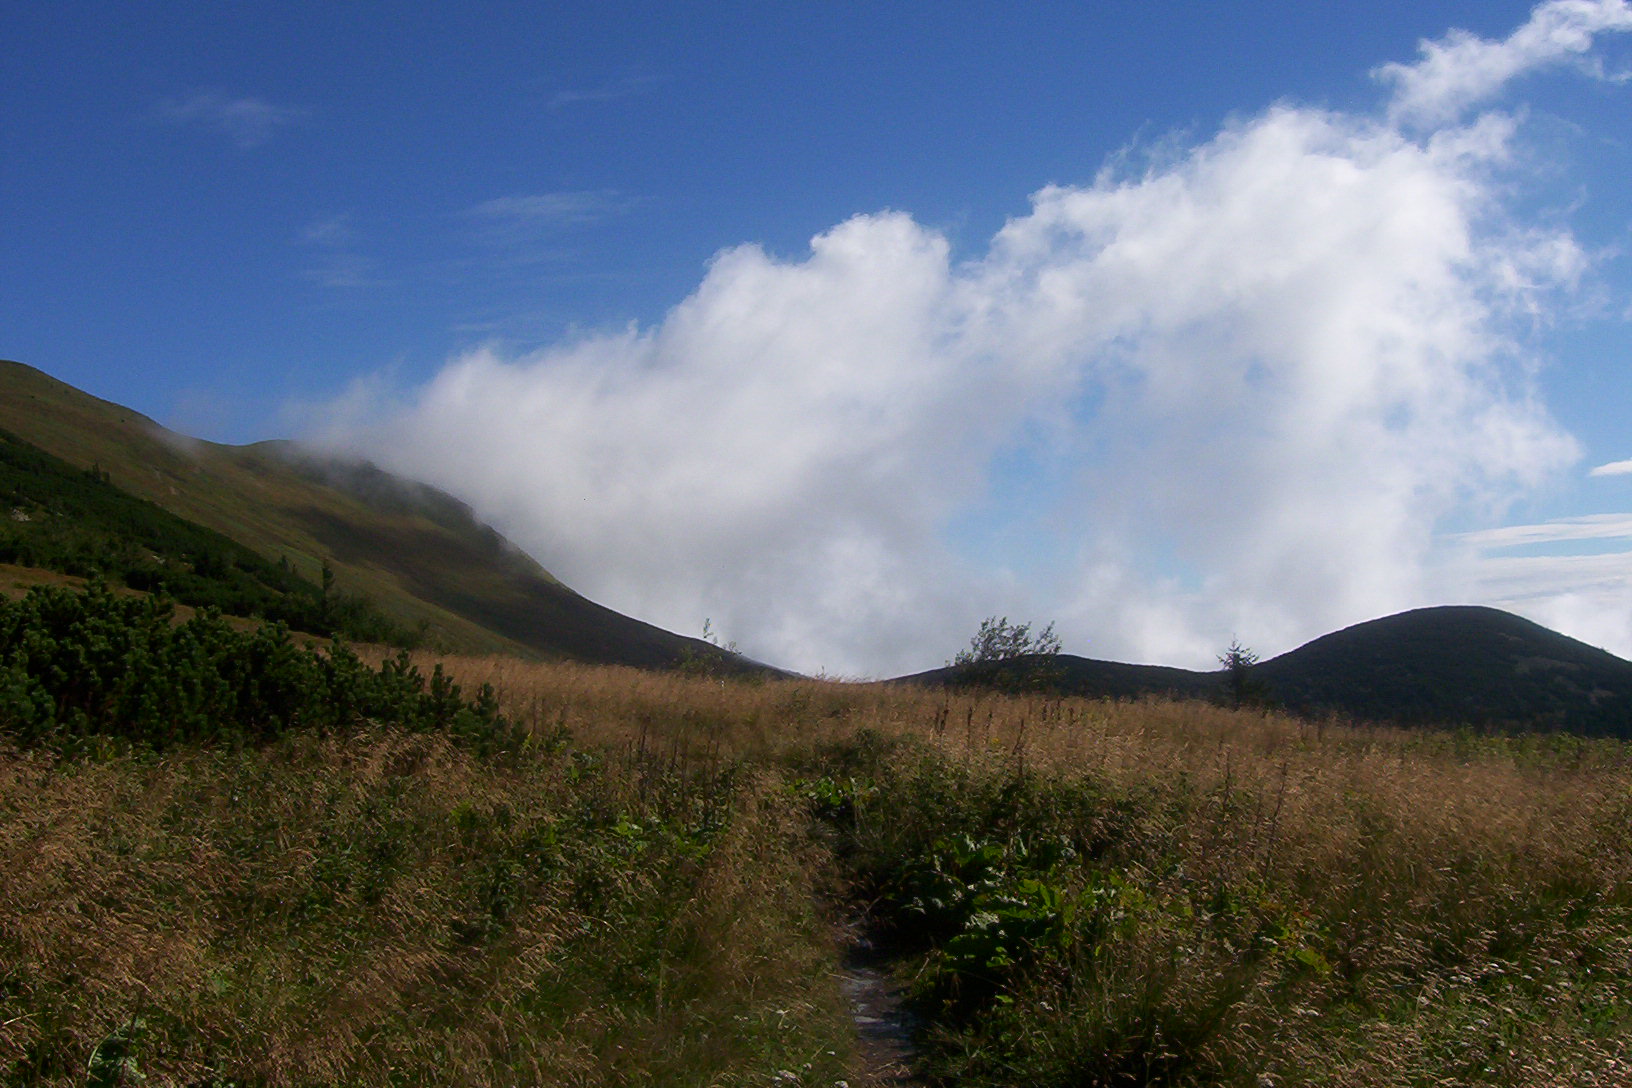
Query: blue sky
point(561, 262)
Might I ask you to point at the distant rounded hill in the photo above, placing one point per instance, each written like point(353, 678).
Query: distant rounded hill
point(1452, 665)
point(1458, 664)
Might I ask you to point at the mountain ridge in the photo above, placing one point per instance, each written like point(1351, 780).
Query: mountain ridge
point(429, 563)
point(420, 554)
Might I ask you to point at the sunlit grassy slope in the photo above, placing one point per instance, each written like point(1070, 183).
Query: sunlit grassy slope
point(417, 553)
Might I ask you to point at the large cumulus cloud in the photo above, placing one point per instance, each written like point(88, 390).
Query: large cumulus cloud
point(1236, 390)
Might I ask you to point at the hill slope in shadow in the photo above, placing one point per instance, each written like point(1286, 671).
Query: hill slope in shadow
point(1457, 664)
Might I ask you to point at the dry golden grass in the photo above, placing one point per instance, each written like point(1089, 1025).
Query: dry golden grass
point(386, 909)
point(1468, 890)
point(636, 897)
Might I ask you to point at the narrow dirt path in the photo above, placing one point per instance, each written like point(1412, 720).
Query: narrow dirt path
point(884, 1027)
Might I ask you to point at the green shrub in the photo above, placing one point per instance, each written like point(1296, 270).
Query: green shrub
point(76, 667)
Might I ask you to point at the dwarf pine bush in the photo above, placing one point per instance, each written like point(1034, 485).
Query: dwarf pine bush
point(94, 664)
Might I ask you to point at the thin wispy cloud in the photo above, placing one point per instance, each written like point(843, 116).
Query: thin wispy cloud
point(1588, 527)
point(1585, 595)
point(1260, 373)
point(339, 264)
point(611, 90)
point(539, 228)
point(1613, 468)
point(1556, 583)
point(335, 230)
point(553, 209)
point(343, 271)
point(247, 122)
point(1462, 70)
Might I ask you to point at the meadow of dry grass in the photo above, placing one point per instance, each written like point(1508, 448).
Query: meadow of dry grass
point(386, 909)
point(642, 894)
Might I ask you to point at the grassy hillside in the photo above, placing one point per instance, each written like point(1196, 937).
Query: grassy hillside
point(73, 521)
point(417, 553)
point(633, 878)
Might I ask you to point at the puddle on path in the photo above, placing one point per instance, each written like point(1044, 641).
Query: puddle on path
point(884, 1028)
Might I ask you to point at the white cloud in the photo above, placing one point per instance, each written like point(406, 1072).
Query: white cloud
point(1588, 527)
point(1518, 580)
point(343, 271)
point(1614, 468)
point(1256, 377)
point(1461, 69)
point(1586, 596)
point(248, 122)
point(1583, 588)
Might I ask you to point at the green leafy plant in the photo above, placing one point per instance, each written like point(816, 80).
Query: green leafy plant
point(113, 1063)
point(989, 911)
